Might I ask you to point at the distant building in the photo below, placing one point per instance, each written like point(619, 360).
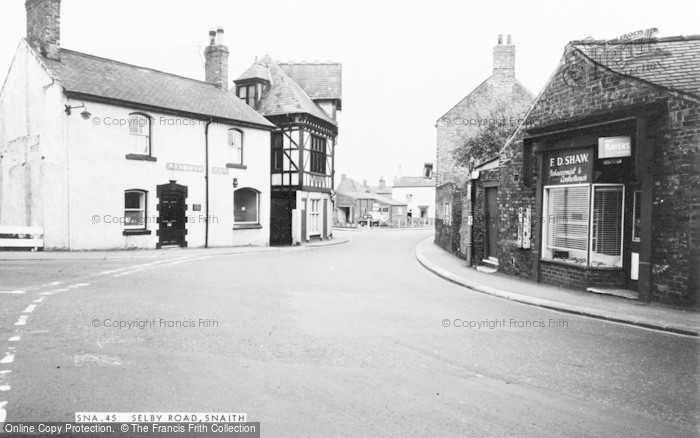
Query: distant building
point(354, 200)
point(302, 100)
point(106, 155)
point(501, 99)
point(418, 192)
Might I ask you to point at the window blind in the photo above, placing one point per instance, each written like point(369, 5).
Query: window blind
point(607, 220)
point(567, 217)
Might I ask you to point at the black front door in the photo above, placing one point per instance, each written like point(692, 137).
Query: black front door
point(491, 218)
point(172, 218)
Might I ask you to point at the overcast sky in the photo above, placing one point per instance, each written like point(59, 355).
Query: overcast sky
point(404, 63)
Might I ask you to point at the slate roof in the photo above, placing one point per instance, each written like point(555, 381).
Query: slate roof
point(318, 80)
point(373, 197)
point(414, 181)
point(285, 96)
point(105, 78)
point(672, 62)
point(349, 185)
point(255, 71)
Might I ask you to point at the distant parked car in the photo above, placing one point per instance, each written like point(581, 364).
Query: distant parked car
point(375, 219)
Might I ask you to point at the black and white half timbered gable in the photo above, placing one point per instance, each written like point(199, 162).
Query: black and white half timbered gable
point(302, 101)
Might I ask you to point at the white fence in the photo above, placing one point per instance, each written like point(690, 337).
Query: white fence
point(22, 237)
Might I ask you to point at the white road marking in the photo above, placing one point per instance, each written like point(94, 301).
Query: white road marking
point(53, 283)
point(39, 300)
point(51, 292)
point(129, 272)
point(73, 286)
point(30, 308)
point(112, 271)
point(4, 387)
point(3, 372)
point(22, 320)
point(14, 339)
point(9, 358)
point(186, 260)
point(16, 292)
point(3, 412)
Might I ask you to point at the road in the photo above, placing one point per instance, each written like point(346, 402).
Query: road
point(345, 340)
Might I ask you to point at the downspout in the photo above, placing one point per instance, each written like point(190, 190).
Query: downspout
point(206, 182)
point(470, 219)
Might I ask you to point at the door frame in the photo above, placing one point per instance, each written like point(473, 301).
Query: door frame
point(490, 185)
point(172, 188)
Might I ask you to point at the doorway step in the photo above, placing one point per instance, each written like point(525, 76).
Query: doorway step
point(488, 266)
point(624, 293)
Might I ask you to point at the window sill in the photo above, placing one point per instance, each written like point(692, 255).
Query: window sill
point(583, 267)
point(138, 157)
point(136, 232)
point(236, 166)
point(247, 227)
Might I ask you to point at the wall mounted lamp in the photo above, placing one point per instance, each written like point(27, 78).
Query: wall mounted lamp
point(85, 114)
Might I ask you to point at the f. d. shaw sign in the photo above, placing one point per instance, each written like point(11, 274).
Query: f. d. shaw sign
point(573, 166)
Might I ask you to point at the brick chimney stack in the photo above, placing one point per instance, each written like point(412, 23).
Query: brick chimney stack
point(382, 183)
point(44, 27)
point(216, 60)
point(504, 59)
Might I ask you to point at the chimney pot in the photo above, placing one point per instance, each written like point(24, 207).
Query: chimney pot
point(220, 36)
point(500, 39)
point(508, 40)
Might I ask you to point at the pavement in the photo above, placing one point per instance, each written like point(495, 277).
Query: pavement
point(610, 308)
point(164, 252)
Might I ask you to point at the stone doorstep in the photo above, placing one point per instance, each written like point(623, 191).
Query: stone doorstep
point(623, 293)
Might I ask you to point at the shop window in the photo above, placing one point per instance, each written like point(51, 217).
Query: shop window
point(140, 134)
point(606, 225)
point(314, 216)
point(583, 224)
point(246, 203)
point(235, 144)
point(135, 209)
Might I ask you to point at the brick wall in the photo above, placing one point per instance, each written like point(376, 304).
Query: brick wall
point(44, 26)
point(676, 176)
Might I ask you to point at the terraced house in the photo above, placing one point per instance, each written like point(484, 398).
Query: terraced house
point(100, 154)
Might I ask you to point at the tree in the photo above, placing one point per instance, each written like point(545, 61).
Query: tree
point(492, 134)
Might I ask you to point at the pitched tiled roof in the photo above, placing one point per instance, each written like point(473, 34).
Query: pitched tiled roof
point(319, 80)
point(350, 185)
point(414, 181)
point(672, 62)
point(255, 71)
point(284, 96)
point(104, 78)
point(373, 197)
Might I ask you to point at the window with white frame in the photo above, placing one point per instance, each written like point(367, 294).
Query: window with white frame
point(409, 199)
point(135, 209)
point(583, 224)
point(246, 206)
point(140, 134)
point(314, 216)
point(235, 144)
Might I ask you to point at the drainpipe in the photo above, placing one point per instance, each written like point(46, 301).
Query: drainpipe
point(470, 218)
point(206, 182)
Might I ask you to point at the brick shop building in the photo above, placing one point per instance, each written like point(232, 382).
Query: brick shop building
point(600, 185)
point(500, 99)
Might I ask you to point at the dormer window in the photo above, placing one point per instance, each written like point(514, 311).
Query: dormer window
point(248, 94)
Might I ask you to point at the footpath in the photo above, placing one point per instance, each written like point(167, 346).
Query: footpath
point(611, 308)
